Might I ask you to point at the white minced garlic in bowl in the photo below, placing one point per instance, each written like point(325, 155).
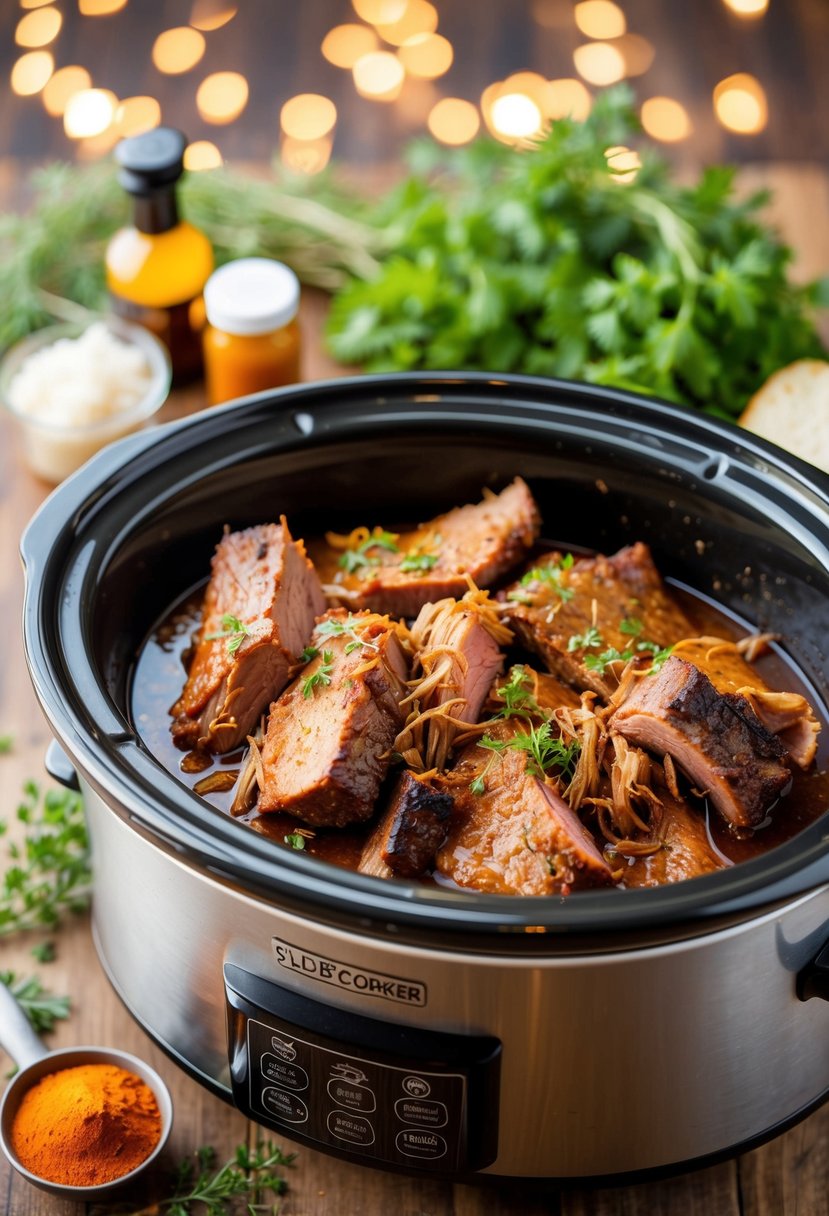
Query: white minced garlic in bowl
point(75, 395)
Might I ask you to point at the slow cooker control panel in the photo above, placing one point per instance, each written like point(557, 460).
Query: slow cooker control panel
point(395, 1095)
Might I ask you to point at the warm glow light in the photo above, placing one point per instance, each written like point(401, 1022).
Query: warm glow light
point(427, 55)
point(636, 52)
point(740, 104)
point(599, 63)
point(38, 28)
point(380, 12)
point(178, 50)
point(378, 75)
point(516, 116)
point(31, 72)
point(600, 19)
point(419, 17)
point(34, 3)
point(89, 113)
point(624, 162)
point(454, 121)
point(665, 119)
point(345, 44)
point(137, 114)
point(747, 8)
point(100, 8)
point(568, 98)
point(202, 155)
point(305, 155)
point(221, 97)
point(211, 15)
point(97, 146)
point(65, 83)
point(531, 85)
point(308, 116)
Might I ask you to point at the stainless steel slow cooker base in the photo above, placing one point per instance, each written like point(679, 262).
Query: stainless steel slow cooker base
point(416, 1028)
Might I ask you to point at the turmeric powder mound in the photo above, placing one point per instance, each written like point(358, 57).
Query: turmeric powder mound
point(86, 1125)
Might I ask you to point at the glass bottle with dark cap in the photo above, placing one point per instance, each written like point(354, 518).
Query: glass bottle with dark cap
point(157, 267)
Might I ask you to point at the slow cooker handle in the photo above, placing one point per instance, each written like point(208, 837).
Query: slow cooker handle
point(59, 767)
point(813, 980)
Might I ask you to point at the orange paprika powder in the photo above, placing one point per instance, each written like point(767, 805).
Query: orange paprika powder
point(86, 1125)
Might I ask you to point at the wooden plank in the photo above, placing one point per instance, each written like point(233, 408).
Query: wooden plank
point(790, 1175)
point(710, 1192)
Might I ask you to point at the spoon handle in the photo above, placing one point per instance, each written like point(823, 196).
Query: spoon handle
point(16, 1034)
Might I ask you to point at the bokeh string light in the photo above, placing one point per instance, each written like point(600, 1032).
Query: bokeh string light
point(38, 28)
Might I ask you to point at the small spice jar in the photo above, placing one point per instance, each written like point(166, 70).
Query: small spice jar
point(252, 338)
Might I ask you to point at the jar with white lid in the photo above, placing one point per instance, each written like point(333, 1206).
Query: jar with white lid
point(252, 336)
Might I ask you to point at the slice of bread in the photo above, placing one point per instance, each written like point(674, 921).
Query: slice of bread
point(792, 410)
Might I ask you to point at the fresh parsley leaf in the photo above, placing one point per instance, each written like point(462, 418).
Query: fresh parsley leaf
point(660, 657)
point(310, 652)
point(545, 751)
point(541, 578)
point(320, 678)
point(296, 840)
point(631, 625)
point(418, 563)
point(356, 559)
point(516, 693)
point(583, 641)
point(599, 662)
point(233, 629)
point(349, 628)
point(42, 1008)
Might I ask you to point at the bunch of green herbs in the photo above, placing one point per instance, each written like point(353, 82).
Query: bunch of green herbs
point(548, 261)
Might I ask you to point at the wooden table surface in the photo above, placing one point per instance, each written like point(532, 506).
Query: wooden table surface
point(787, 1177)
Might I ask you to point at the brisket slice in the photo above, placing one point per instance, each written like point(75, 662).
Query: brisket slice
point(328, 745)
point(598, 593)
point(518, 837)
point(457, 656)
point(786, 714)
point(686, 850)
point(263, 577)
point(716, 738)
point(483, 540)
point(410, 831)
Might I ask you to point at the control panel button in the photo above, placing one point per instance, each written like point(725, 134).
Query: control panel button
point(355, 1097)
point(428, 1146)
point(285, 1106)
point(417, 1087)
point(289, 1076)
point(421, 1112)
point(352, 1128)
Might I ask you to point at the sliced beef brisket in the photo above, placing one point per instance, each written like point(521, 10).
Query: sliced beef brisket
point(330, 735)
point(483, 541)
point(259, 609)
point(578, 614)
point(410, 831)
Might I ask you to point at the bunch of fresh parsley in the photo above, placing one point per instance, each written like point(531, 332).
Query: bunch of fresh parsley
point(544, 261)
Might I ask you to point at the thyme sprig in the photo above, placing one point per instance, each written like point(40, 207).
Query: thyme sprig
point(252, 1174)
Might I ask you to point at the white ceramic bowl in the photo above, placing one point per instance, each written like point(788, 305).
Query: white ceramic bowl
point(53, 451)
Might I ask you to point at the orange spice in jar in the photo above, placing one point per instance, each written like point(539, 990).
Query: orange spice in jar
point(252, 338)
point(86, 1125)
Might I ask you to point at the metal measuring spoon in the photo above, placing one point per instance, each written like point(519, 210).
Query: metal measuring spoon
point(34, 1062)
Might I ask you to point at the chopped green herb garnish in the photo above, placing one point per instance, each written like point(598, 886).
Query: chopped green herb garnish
point(632, 626)
point(357, 559)
point(233, 629)
point(660, 657)
point(548, 576)
point(296, 840)
point(334, 628)
point(545, 751)
point(516, 693)
point(584, 641)
point(598, 662)
point(310, 652)
point(320, 678)
point(418, 563)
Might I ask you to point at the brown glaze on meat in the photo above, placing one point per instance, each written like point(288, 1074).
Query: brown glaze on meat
point(601, 593)
point(716, 738)
point(785, 714)
point(328, 745)
point(483, 540)
point(518, 837)
point(263, 577)
point(410, 830)
point(685, 848)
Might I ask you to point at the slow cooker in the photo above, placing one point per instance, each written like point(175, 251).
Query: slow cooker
point(394, 1023)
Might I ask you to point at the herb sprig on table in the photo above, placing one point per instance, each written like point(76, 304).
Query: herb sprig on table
point(251, 1175)
point(42, 1008)
point(49, 872)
